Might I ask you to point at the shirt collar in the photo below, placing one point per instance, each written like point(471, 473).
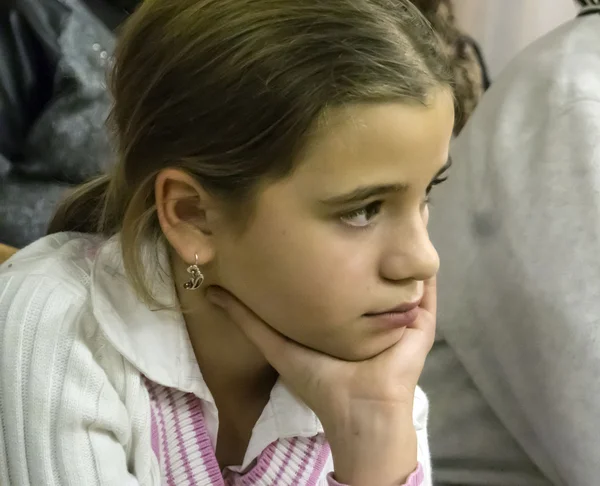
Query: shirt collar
point(156, 342)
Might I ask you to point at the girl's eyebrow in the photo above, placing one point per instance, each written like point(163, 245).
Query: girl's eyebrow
point(362, 193)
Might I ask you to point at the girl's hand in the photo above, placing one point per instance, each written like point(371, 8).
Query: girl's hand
point(365, 407)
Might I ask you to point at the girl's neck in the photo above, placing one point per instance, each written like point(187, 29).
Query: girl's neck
point(226, 357)
point(238, 377)
point(235, 371)
point(228, 360)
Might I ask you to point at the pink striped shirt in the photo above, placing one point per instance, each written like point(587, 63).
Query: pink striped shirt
point(182, 445)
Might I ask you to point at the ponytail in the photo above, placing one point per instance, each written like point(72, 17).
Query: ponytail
point(106, 206)
point(82, 211)
point(98, 206)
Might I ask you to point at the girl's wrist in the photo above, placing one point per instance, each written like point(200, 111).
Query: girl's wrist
point(380, 448)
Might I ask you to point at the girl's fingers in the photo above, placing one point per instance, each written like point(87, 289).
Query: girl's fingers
point(429, 302)
point(419, 337)
point(415, 344)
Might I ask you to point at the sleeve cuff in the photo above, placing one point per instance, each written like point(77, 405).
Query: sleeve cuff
point(415, 479)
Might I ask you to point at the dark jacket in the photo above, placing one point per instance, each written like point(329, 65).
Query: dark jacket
point(54, 56)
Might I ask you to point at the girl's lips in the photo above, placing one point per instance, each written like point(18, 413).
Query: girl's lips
point(401, 316)
point(405, 307)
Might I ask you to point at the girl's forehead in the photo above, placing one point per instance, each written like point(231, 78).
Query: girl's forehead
point(362, 129)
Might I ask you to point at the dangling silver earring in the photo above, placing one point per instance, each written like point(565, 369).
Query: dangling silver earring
point(196, 277)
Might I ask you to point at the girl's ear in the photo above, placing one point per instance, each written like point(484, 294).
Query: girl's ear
point(183, 208)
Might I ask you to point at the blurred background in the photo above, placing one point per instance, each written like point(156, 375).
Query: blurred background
point(503, 28)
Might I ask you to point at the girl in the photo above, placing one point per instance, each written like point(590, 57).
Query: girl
point(249, 298)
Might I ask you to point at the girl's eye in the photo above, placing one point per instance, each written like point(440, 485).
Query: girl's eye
point(435, 182)
point(362, 217)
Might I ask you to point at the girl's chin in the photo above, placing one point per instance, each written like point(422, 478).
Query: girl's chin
point(368, 347)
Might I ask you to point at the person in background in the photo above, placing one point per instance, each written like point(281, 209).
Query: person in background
point(54, 56)
point(513, 375)
point(248, 296)
point(54, 102)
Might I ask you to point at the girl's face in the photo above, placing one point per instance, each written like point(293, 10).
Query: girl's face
point(342, 238)
point(346, 234)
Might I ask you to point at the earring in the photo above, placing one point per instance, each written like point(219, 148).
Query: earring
point(196, 277)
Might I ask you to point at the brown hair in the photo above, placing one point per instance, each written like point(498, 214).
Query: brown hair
point(470, 78)
point(228, 91)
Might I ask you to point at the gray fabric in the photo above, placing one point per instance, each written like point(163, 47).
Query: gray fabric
point(469, 445)
point(26, 207)
point(68, 143)
point(514, 380)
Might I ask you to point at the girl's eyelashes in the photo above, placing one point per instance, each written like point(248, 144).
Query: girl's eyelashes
point(362, 217)
point(439, 178)
point(435, 182)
